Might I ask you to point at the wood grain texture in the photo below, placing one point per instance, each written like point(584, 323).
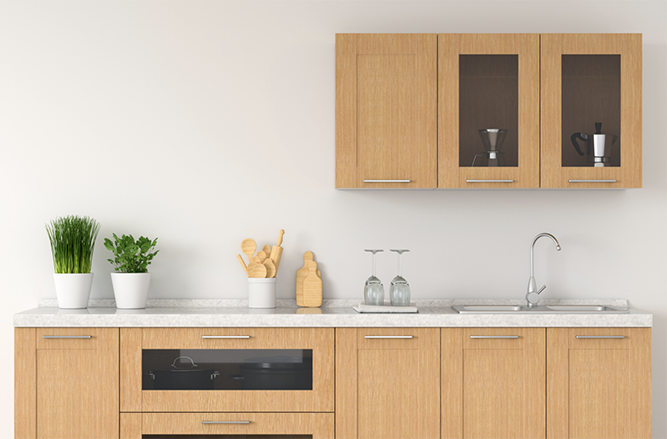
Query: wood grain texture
point(77, 388)
point(450, 47)
point(301, 275)
point(388, 392)
point(629, 46)
point(130, 426)
point(130, 369)
point(320, 399)
point(312, 287)
point(487, 395)
point(25, 384)
point(319, 425)
point(599, 388)
point(386, 110)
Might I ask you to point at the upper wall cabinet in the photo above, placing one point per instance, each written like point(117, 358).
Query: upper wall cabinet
point(591, 110)
point(488, 110)
point(386, 111)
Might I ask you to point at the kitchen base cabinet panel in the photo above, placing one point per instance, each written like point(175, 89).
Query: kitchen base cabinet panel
point(599, 383)
point(227, 425)
point(67, 383)
point(244, 366)
point(386, 387)
point(493, 383)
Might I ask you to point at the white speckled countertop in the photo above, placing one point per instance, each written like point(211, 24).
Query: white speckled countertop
point(333, 313)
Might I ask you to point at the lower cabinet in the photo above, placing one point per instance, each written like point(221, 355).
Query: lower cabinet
point(387, 383)
point(227, 425)
point(66, 383)
point(599, 383)
point(493, 383)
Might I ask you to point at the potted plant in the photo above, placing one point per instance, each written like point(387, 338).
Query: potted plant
point(132, 279)
point(72, 244)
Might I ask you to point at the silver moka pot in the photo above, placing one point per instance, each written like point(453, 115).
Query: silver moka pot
point(598, 146)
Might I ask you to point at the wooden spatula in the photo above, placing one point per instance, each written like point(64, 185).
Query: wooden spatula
point(270, 268)
point(259, 271)
point(242, 264)
point(248, 247)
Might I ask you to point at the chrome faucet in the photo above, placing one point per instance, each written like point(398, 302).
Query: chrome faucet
point(533, 294)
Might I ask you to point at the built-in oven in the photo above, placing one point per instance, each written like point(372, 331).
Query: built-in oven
point(227, 370)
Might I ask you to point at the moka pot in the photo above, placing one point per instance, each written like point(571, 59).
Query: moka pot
point(598, 146)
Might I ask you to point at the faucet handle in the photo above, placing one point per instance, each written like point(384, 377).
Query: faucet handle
point(541, 289)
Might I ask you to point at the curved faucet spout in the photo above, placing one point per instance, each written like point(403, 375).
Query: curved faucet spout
point(533, 294)
point(532, 250)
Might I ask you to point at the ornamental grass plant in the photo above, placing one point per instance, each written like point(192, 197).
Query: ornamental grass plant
point(72, 243)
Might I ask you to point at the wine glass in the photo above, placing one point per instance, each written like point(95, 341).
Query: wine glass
point(373, 288)
point(399, 291)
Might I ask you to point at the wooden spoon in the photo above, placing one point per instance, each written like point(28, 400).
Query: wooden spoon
point(262, 256)
point(259, 271)
point(248, 247)
point(270, 268)
point(267, 250)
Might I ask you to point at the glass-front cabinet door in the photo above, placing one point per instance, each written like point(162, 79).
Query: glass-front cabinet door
point(227, 370)
point(488, 110)
point(591, 110)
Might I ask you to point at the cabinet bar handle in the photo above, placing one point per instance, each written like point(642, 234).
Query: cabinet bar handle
point(489, 181)
point(387, 181)
point(388, 336)
point(225, 336)
point(592, 181)
point(600, 336)
point(225, 422)
point(67, 336)
point(494, 336)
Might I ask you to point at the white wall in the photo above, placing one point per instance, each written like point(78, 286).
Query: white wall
point(207, 122)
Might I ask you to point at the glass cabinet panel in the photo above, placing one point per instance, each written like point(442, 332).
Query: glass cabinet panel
point(591, 110)
point(488, 110)
point(227, 369)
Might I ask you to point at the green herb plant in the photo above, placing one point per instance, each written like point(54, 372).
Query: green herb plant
point(72, 243)
point(131, 256)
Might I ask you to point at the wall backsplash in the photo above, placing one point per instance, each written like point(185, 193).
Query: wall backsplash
point(204, 123)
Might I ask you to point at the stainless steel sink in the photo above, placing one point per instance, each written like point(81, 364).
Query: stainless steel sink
point(547, 309)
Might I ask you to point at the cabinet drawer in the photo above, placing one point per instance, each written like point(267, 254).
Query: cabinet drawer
point(600, 338)
point(72, 338)
point(231, 370)
point(319, 425)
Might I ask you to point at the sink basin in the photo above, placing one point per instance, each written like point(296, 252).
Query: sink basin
point(548, 309)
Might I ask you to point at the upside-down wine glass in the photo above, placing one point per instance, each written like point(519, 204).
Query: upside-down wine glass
point(373, 288)
point(399, 291)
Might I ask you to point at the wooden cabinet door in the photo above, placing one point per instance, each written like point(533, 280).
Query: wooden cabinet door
point(493, 383)
point(73, 373)
point(232, 425)
point(586, 79)
point(387, 383)
point(599, 383)
point(488, 81)
point(386, 111)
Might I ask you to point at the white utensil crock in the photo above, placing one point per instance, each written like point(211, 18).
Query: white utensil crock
point(261, 293)
point(131, 289)
point(73, 289)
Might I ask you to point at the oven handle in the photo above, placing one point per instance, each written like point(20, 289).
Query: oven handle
point(225, 422)
point(224, 336)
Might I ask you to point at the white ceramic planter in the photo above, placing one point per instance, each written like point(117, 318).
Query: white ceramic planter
point(261, 293)
point(131, 289)
point(73, 289)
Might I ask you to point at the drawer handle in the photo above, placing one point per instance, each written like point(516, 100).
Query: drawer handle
point(600, 336)
point(592, 181)
point(225, 422)
point(489, 181)
point(388, 336)
point(494, 336)
point(225, 336)
point(67, 336)
point(387, 181)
